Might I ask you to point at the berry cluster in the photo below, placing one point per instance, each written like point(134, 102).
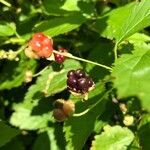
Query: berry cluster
point(63, 109)
point(41, 45)
point(79, 82)
point(60, 58)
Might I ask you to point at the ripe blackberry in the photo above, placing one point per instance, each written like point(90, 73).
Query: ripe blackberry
point(60, 58)
point(79, 82)
point(83, 85)
point(80, 73)
point(71, 73)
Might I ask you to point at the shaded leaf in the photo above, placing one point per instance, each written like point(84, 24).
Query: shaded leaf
point(7, 133)
point(13, 72)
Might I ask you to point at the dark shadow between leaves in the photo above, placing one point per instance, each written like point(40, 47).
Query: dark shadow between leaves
point(45, 105)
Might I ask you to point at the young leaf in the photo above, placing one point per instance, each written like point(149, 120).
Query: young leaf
point(34, 112)
point(131, 74)
point(61, 25)
point(78, 129)
point(6, 133)
point(6, 29)
point(113, 138)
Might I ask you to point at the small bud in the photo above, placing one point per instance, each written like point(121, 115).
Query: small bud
point(28, 76)
point(59, 115)
point(128, 120)
point(123, 108)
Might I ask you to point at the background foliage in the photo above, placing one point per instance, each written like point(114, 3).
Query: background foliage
point(115, 33)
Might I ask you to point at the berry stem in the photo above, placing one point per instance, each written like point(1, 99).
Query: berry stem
point(40, 72)
point(115, 51)
point(88, 109)
point(5, 3)
point(81, 59)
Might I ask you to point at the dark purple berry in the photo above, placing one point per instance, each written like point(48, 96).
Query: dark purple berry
point(71, 73)
point(80, 73)
point(82, 85)
point(89, 81)
point(71, 82)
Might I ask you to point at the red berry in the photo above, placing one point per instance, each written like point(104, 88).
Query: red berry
point(60, 58)
point(41, 44)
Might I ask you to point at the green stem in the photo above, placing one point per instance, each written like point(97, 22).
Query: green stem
point(21, 49)
point(81, 59)
point(5, 3)
point(115, 51)
point(40, 72)
point(88, 109)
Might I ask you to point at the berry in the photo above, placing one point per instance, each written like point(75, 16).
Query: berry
point(83, 85)
point(72, 82)
point(71, 73)
point(63, 109)
point(79, 82)
point(89, 82)
point(60, 58)
point(69, 108)
point(41, 45)
point(59, 115)
point(80, 73)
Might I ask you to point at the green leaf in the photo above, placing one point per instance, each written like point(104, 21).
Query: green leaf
point(17, 70)
point(6, 29)
point(14, 144)
point(113, 138)
point(144, 131)
point(78, 129)
point(60, 25)
point(110, 24)
point(124, 21)
point(71, 5)
point(48, 138)
point(34, 112)
point(138, 19)
point(7, 133)
point(131, 73)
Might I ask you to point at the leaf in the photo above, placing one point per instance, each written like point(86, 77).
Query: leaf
point(144, 131)
point(101, 53)
point(7, 133)
point(60, 25)
point(6, 29)
point(13, 72)
point(71, 5)
point(110, 24)
point(14, 144)
point(48, 138)
point(131, 73)
point(124, 21)
point(138, 19)
point(78, 129)
point(34, 112)
point(112, 138)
